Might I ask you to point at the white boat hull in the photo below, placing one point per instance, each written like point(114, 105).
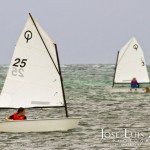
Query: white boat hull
point(126, 90)
point(45, 125)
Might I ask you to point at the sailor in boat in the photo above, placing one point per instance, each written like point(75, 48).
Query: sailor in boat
point(134, 84)
point(19, 115)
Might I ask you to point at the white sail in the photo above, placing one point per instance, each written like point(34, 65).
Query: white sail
point(131, 63)
point(33, 79)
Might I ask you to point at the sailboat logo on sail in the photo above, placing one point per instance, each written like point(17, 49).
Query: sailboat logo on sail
point(28, 35)
point(135, 46)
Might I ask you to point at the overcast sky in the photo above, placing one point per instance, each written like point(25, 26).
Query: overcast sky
point(86, 31)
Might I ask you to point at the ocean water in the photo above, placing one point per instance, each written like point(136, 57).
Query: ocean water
point(109, 121)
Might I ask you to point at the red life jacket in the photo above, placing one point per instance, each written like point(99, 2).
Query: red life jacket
point(16, 117)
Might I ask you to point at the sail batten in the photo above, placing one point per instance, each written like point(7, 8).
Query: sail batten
point(33, 78)
point(131, 63)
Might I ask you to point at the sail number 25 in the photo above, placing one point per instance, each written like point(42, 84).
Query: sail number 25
point(18, 65)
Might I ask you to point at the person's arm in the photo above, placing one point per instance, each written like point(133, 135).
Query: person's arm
point(9, 118)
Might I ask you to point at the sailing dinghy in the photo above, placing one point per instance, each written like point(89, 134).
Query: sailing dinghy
point(34, 80)
point(130, 63)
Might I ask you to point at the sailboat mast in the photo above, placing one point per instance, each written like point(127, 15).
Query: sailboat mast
point(61, 81)
point(115, 70)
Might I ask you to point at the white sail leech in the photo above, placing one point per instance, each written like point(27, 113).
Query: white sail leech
point(32, 79)
point(131, 63)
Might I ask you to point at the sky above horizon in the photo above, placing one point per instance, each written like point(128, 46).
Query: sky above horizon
point(86, 31)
